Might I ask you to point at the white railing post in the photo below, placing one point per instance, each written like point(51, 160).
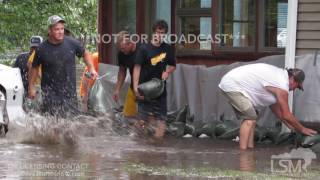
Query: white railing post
point(291, 44)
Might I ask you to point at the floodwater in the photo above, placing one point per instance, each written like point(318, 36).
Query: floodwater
point(88, 148)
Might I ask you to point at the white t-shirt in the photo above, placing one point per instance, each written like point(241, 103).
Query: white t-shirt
point(251, 81)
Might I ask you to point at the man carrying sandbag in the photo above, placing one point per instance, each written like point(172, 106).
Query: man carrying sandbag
point(154, 60)
point(256, 86)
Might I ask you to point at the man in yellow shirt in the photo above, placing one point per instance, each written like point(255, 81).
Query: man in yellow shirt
point(24, 60)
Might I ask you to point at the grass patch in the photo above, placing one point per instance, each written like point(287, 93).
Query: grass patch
point(212, 173)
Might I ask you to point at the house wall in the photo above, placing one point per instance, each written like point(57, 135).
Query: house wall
point(145, 17)
point(308, 27)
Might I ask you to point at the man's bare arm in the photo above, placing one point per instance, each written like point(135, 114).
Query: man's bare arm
point(168, 72)
point(32, 76)
point(286, 115)
point(136, 77)
point(88, 61)
point(275, 108)
point(121, 77)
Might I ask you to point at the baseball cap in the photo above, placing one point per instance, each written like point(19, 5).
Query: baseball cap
point(35, 41)
point(298, 76)
point(52, 20)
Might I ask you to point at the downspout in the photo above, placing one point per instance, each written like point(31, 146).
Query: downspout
point(291, 45)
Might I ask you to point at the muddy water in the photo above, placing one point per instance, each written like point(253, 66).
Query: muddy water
point(88, 148)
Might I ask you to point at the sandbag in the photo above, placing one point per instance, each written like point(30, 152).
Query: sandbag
point(189, 129)
point(224, 127)
point(285, 138)
point(151, 89)
point(209, 128)
point(181, 115)
point(262, 134)
point(176, 129)
point(316, 148)
point(307, 141)
point(230, 134)
point(171, 116)
point(197, 128)
point(98, 99)
point(180, 122)
point(130, 106)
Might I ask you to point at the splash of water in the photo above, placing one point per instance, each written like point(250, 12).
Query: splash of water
point(40, 129)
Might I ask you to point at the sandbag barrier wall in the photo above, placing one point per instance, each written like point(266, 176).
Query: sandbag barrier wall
point(197, 86)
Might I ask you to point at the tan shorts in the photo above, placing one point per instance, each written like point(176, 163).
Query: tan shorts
point(241, 105)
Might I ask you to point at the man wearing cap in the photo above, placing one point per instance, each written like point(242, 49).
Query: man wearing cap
point(56, 55)
point(251, 87)
point(22, 60)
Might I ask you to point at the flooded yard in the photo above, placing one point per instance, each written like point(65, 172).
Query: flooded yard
point(88, 148)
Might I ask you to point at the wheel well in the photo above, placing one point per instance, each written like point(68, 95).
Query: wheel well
point(3, 90)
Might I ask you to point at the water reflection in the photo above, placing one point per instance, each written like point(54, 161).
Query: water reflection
point(247, 160)
point(102, 153)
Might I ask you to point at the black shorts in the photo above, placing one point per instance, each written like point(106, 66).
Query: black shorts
point(156, 108)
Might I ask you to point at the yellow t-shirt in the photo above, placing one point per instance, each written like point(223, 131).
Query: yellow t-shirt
point(30, 60)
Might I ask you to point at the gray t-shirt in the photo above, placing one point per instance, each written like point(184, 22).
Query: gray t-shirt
point(58, 67)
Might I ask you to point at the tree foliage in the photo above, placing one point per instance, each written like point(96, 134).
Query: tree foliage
point(19, 20)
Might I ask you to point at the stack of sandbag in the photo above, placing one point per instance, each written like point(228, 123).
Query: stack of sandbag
point(180, 122)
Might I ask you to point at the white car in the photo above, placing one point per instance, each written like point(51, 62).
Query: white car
point(11, 97)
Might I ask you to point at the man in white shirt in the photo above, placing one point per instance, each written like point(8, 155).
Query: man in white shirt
point(256, 86)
